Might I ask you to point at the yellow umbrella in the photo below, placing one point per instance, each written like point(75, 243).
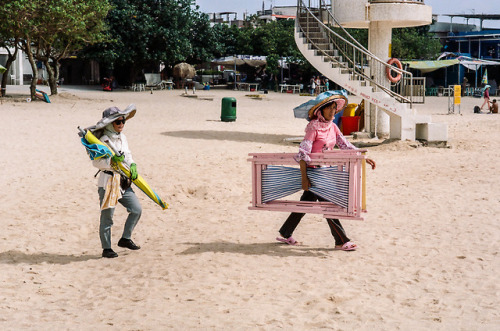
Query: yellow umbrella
point(485, 77)
point(124, 168)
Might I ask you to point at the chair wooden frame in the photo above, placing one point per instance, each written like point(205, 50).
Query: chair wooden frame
point(353, 161)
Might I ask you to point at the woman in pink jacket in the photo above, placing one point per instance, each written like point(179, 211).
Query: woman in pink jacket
point(486, 96)
point(321, 135)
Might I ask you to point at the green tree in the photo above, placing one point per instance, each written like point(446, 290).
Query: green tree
point(273, 67)
point(13, 29)
point(414, 43)
point(204, 43)
point(51, 30)
point(226, 39)
point(407, 43)
point(64, 27)
point(145, 33)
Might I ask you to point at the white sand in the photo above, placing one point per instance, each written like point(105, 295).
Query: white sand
point(428, 257)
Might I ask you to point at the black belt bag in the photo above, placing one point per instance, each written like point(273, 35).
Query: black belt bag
point(125, 182)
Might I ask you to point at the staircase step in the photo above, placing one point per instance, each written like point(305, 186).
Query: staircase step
point(329, 52)
point(320, 38)
point(336, 65)
point(324, 46)
point(312, 29)
point(357, 77)
point(333, 59)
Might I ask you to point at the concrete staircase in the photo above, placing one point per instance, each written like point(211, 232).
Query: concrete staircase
point(344, 61)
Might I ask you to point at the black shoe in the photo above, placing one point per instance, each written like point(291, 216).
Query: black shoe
point(108, 252)
point(128, 243)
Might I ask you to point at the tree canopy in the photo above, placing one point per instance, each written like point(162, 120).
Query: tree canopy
point(143, 34)
point(51, 30)
point(415, 44)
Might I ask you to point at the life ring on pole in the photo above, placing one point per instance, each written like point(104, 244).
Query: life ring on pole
point(388, 70)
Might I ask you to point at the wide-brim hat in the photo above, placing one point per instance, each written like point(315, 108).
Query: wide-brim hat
point(487, 86)
point(339, 99)
point(111, 114)
point(309, 108)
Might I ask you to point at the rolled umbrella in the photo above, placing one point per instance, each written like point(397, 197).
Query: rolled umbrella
point(100, 149)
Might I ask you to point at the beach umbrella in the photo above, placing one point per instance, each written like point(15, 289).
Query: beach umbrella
point(238, 60)
point(485, 77)
point(229, 61)
point(97, 149)
point(184, 70)
point(2, 69)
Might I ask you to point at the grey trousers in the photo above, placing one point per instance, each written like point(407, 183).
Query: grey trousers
point(128, 200)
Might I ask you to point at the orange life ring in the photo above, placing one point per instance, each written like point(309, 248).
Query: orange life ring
point(388, 70)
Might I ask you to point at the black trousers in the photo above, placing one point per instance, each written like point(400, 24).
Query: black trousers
point(294, 219)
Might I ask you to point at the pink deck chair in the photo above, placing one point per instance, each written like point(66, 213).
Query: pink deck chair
point(340, 180)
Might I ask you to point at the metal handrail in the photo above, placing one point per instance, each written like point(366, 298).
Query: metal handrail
point(396, 1)
point(350, 55)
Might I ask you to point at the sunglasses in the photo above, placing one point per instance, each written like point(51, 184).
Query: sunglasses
point(118, 122)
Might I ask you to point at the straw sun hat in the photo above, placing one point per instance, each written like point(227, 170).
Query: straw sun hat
point(339, 99)
point(309, 108)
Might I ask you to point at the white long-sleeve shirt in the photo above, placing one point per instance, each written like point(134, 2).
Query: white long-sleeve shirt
point(121, 144)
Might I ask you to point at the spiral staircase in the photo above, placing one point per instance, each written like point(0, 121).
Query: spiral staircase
point(343, 60)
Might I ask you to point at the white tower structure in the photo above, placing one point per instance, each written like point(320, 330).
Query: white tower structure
point(380, 17)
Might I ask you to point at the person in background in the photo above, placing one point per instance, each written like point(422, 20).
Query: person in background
point(312, 84)
point(464, 85)
point(486, 96)
point(327, 84)
point(494, 107)
point(318, 84)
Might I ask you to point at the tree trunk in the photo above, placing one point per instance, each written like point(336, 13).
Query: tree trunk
point(57, 70)
point(52, 79)
point(132, 74)
point(11, 58)
point(31, 59)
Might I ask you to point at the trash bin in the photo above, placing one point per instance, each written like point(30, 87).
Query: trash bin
point(350, 124)
point(228, 110)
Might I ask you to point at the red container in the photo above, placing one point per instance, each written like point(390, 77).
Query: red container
point(350, 124)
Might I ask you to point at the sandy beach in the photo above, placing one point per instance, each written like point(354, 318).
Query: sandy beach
point(428, 256)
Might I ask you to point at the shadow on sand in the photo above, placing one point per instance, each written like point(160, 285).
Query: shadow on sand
point(230, 135)
point(272, 249)
point(16, 257)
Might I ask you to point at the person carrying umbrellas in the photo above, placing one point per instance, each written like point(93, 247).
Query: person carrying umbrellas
point(114, 187)
point(321, 135)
